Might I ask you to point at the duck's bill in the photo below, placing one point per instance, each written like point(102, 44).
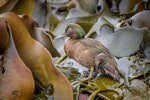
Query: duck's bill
point(60, 36)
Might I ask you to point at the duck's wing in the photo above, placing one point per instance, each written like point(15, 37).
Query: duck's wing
point(105, 64)
point(92, 43)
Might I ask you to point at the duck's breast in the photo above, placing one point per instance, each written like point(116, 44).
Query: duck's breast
point(83, 51)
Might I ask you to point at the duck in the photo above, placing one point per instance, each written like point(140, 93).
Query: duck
point(89, 52)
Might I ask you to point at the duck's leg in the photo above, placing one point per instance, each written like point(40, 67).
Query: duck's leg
point(85, 79)
point(90, 75)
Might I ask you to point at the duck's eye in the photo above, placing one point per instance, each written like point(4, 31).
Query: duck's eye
point(69, 29)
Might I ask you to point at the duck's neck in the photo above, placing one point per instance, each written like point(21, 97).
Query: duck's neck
point(70, 43)
point(72, 40)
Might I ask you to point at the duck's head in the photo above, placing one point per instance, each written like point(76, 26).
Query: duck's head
point(73, 31)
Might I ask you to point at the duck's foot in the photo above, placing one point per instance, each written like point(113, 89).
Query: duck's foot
point(90, 75)
point(85, 79)
point(93, 95)
point(100, 95)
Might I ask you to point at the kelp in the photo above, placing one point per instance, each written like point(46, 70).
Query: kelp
point(88, 19)
point(42, 35)
point(46, 20)
point(24, 7)
point(7, 5)
point(140, 20)
point(42, 21)
point(16, 80)
point(4, 41)
point(38, 59)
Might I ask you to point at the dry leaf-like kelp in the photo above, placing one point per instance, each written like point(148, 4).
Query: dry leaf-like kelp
point(40, 34)
point(140, 20)
point(4, 39)
point(8, 5)
point(16, 80)
point(38, 59)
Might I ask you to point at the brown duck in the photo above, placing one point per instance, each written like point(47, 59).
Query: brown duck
point(89, 52)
